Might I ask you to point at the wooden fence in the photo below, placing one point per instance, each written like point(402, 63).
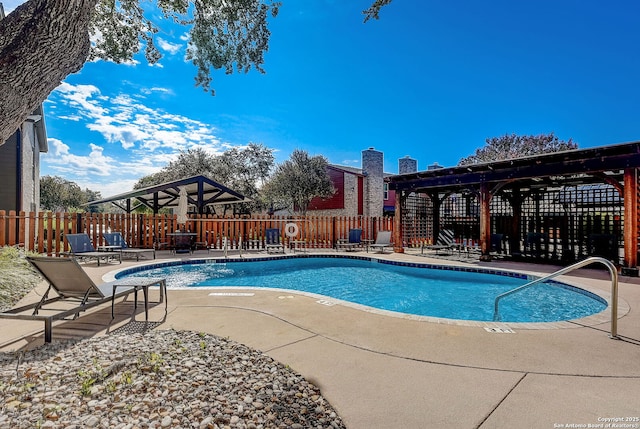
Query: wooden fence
point(43, 232)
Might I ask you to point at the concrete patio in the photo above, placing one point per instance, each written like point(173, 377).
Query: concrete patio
point(380, 371)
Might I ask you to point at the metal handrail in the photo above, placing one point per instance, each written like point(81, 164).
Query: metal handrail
point(594, 259)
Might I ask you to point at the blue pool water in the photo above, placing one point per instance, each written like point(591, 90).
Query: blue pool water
point(423, 291)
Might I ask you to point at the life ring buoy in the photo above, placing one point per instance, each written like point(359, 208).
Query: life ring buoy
point(291, 229)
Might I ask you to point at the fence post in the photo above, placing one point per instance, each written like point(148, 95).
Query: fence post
point(40, 232)
point(22, 238)
point(32, 231)
point(3, 229)
point(12, 228)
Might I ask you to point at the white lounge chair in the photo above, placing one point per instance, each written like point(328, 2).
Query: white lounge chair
point(383, 240)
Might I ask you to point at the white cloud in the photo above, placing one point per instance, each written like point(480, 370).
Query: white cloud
point(150, 137)
point(108, 188)
point(127, 120)
point(155, 89)
point(96, 171)
point(80, 98)
point(351, 162)
point(172, 48)
point(60, 159)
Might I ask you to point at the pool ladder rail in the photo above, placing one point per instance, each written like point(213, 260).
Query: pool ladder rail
point(592, 260)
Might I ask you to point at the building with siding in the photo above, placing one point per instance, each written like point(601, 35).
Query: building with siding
point(20, 165)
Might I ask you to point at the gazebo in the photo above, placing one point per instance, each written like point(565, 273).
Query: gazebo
point(201, 192)
point(545, 194)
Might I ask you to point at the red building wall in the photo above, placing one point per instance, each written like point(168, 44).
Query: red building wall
point(337, 200)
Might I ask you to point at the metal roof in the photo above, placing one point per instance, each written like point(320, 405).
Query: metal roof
point(201, 192)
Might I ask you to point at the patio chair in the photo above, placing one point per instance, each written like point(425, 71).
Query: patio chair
point(115, 239)
point(182, 242)
point(72, 285)
point(82, 248)
point(383, 240)
point(443, 242)
point(498, 244)
point(535, 244)
point(354, 240)
point(603, 245)
point(272, 240)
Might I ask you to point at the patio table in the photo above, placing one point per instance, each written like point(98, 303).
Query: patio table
point(143, 283)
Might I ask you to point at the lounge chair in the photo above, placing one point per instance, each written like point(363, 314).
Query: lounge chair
point(383, 240)
point(444, 242)
point(272, 240)
point(81, 248)
point(115, 239)
point(354, 240)
point(535, 244)
point(498, 244)
point(72, 285)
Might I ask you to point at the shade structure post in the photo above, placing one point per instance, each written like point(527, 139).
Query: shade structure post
point(485, 222)
point(397, 223)
point(630, 222)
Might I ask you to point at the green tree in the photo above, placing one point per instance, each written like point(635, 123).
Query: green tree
point(242, 169)
point(59, 194)
point(90, 195)
point(43, 41)
point(297, 181)
point(512, 146)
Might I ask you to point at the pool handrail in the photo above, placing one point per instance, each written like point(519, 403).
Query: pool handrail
point(591, 260)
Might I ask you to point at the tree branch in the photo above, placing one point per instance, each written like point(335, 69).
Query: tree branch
point(41, 43)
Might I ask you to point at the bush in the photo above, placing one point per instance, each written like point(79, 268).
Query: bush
point(17, 277)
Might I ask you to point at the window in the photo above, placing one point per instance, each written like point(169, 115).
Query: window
point(385, 191)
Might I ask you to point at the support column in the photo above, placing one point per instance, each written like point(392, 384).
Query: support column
point(516, 227)
point(397, 222)
point(630, 222)
point(485, 222)
point(435, 216)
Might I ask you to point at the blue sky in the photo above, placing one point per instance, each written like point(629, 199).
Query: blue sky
point(431, 79)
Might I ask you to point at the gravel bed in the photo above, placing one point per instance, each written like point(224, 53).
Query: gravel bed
point(162, 379)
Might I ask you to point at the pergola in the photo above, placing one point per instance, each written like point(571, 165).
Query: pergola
point(201, 192)
point(513, 179)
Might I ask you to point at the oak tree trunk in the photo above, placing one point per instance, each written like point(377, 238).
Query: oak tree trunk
point(41, 42)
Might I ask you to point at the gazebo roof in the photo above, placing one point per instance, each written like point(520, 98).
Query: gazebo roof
point(574, 167)
point(201, 192)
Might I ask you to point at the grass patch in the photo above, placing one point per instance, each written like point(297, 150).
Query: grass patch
point(17, 277)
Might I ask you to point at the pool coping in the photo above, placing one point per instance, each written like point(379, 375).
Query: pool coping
point(592, 320)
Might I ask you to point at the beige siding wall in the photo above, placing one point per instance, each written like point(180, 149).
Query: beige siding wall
point(30, 168)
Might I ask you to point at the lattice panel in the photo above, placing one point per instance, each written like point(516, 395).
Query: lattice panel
point(417, 222)
point(562, 224)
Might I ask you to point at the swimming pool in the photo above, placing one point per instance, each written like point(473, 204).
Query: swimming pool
point(417, 289)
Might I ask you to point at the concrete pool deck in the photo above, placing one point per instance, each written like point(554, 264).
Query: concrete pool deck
point(380, 371)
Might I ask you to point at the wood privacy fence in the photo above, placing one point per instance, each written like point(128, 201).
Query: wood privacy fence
point(43, 232)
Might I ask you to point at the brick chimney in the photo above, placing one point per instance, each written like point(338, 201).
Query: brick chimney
point(407, 165)
point(372, 168)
